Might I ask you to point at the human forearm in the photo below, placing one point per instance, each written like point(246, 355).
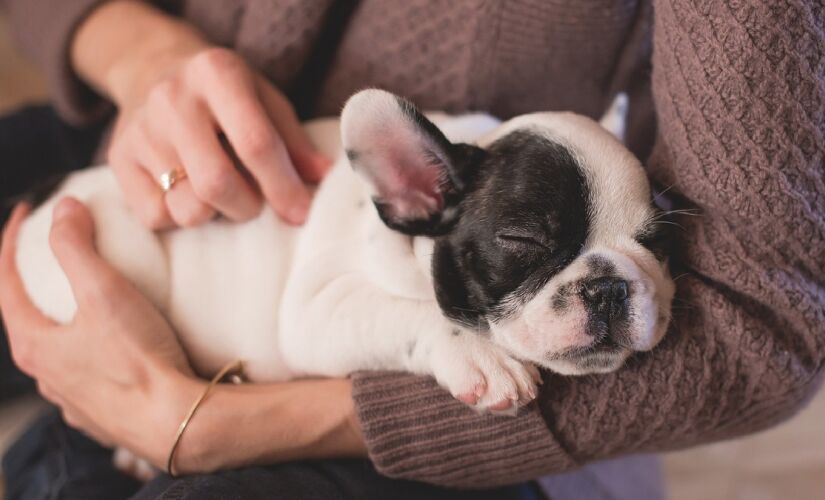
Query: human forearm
point(116, 47)
point(124, 46)
point(239, 425)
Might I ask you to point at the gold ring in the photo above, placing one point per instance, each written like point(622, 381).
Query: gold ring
point(168, 179)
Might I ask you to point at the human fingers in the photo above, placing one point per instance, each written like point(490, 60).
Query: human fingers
point(158, 158)
point(213, 177)
point(234, 100)
point(311, 164)
point(72, 239)
point(140, 190)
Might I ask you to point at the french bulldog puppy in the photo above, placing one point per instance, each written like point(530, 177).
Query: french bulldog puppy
point(453, 246)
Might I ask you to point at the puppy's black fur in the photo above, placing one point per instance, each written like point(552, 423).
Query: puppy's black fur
point(523, 219)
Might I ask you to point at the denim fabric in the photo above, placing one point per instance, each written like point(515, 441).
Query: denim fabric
point(50, 461)
point(328, 480)
point(53, 462)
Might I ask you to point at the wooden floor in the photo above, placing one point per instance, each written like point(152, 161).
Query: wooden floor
point(785, 463)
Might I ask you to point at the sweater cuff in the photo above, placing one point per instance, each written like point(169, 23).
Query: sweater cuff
point(44, 30)
point(415, 430)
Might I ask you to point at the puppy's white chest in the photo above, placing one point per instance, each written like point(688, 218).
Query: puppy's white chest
point(226, 281)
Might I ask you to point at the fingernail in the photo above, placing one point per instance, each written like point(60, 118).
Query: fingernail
point(297, 214)
point(61, 210)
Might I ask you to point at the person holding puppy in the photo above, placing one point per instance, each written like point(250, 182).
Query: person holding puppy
point(725, 132)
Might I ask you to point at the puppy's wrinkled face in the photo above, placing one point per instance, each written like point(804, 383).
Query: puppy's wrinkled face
point(545, 235)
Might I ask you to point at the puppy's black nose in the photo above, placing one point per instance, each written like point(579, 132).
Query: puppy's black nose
point(606, 296)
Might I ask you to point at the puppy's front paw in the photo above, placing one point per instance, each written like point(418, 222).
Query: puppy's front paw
point(482, 375)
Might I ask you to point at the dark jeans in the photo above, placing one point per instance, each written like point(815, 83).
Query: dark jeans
point(52, 461)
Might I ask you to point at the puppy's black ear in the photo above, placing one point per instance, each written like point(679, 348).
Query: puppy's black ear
point(417, 175)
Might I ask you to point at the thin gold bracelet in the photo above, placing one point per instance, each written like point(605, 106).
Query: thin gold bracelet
point(236, 367)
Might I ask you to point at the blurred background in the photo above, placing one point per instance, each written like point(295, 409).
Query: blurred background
point(785, 463)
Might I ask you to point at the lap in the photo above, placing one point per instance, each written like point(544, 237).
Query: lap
point(52, 461)
point(331, 479)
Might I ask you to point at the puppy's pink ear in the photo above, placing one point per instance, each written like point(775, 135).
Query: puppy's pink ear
point(416, 174)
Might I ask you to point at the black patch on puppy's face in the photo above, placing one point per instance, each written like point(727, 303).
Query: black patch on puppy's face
point(524, 218)
point(658, 236)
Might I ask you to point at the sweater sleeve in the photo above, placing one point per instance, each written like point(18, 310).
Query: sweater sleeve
point(740, 101)
point(44, 29)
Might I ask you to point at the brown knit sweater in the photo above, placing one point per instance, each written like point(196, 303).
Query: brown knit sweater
point(735, 122)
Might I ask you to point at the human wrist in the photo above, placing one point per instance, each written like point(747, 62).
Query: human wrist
point(168, 401)
point(112, 52)
point(244, 425)
point(130, 79)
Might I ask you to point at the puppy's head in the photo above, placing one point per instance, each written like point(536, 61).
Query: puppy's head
point(545, 234)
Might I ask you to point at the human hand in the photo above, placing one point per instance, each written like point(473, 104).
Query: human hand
point(176, 95)
point(173, 123)
point(116, 371)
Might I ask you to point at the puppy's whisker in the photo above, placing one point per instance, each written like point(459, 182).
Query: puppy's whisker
point(686, 211)
point(665, 190)
point(464, 309)
point(669, 223)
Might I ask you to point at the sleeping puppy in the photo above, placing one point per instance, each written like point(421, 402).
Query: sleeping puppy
point(458, 247)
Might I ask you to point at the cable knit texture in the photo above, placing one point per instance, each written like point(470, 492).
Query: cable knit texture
point(733, 112)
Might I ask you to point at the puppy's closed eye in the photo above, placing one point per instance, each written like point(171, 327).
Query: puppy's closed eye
point(519, 241)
